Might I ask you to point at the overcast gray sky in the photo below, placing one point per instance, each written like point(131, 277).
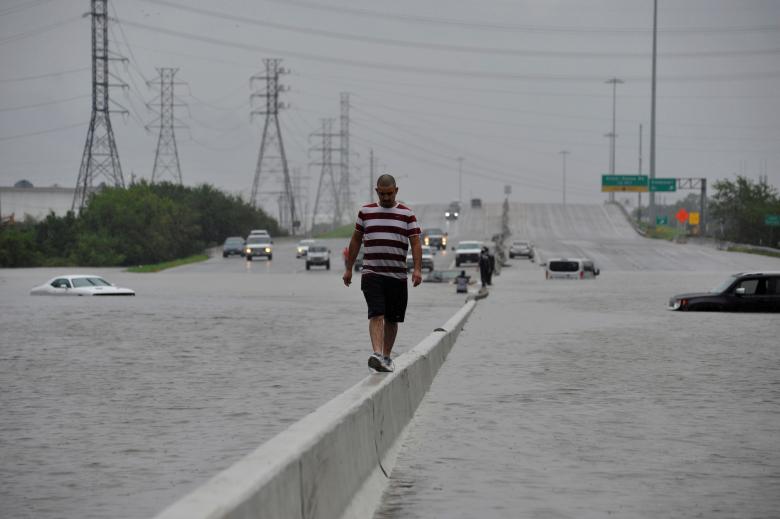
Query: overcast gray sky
point(505, 84)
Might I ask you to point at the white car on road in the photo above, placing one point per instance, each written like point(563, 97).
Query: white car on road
point(467, 252)
point(80, 285)
point(303, 248)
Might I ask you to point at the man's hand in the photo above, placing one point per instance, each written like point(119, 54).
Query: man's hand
point(416, 277)
point(347, 277)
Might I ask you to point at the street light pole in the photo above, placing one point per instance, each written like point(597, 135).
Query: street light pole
point(460, 179)
point(652, 118)
point(563, 154)
point(614, 81)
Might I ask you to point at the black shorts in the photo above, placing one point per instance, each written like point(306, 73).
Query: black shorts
point(385, 296)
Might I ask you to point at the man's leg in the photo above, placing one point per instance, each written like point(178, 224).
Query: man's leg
point(376, 329)
point(390, 331)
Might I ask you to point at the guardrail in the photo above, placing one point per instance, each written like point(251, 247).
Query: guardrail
point(336, 461)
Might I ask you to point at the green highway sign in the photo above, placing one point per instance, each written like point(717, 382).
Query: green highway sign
point(636, 183)
point(772, 219)
point(662, 220)
point(663, 184)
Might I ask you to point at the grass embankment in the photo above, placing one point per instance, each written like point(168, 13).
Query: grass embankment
point(662, 232)
point(748, 250)
point(345, 231)
point(157, 267)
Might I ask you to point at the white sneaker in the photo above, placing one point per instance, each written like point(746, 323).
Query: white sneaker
point(387, 362)
point(376, 363)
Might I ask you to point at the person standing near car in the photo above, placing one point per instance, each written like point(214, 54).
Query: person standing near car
point(484, 266)
point(386, 229)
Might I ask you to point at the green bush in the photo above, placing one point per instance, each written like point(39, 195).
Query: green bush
point(143, 224)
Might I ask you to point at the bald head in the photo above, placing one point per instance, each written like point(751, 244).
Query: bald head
point(385, 181)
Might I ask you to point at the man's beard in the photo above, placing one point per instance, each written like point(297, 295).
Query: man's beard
point(387, 205)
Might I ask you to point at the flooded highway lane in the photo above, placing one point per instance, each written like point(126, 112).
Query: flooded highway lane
point(116, 407)
point(590, 399)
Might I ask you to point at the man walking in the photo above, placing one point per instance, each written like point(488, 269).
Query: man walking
point(386, 230)
point(484, 266)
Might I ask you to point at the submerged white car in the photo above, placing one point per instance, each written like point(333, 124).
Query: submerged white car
point(80, 285)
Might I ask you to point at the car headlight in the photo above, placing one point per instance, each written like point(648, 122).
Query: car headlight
point(248, 251)
point(456, 215)
point(427, 241)
point(268, 249)
point(444, 241)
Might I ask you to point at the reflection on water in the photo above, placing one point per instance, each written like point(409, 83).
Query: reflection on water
point(115, 407)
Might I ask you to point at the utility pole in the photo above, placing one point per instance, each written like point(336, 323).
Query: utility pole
point(371, 177)
point(345, 188)
point(460, 179)
point(166, 159)
point(100, 156)
point(639, 194)
point(272, 135)
point(563, 155)
point(326, 173)
point(614, 81)
point(651, 195)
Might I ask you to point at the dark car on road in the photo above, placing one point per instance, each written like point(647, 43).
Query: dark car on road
point(743, 292)
point(233, 246)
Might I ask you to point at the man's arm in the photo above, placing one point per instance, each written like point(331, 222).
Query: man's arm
point(354, 248)
point(414, 241)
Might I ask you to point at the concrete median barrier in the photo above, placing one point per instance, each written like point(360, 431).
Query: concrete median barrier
point(336, 461)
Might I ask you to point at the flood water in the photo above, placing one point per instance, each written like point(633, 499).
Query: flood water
point(572, 399)
point(116, 407)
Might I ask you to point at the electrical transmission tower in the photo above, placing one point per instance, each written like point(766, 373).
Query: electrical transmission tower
point(100, 154)
point(345, 188)
point(166, 159)
point(327, 175)
point(272, 138)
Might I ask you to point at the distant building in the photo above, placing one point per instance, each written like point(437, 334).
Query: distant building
point(26, 200)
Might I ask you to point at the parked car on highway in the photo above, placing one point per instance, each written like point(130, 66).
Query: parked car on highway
point(303, 248)
point(743, 292)
point(427, 259)
point(80, 285)
point(521, 248)
point(258, 246)
point(453, 211)
point(233, 245)
point(467, 252)
point(434, 237)
point(570, 268)
point(476, 203)
point(318, 255)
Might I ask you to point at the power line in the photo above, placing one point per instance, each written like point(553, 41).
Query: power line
point(439, 71)
point(341, 79)
point(45, 103)
point(41, 132)
point(493, 51)
point(492, 26)
point(38, 31)
point(42, 76)
point(22, 7)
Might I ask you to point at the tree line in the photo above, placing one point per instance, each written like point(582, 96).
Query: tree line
point(142, 224)
point(736, 211)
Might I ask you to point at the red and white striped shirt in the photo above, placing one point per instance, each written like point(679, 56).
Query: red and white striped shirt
point(386, 232)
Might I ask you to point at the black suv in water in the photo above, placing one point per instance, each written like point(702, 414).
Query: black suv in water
point(743, 292)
